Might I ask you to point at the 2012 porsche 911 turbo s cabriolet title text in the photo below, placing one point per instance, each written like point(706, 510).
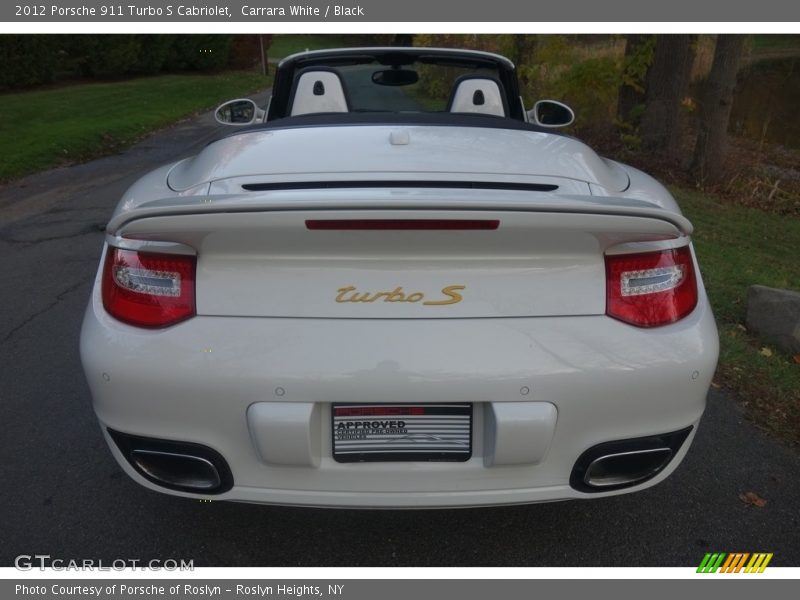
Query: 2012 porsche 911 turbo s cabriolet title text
point(395, 286)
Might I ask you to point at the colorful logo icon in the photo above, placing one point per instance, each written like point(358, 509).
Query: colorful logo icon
point(734, 562)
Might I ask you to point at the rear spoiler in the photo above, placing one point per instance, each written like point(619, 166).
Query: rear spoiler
point(383, 199)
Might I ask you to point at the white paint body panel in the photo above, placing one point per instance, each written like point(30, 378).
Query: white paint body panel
point(316, 153)
point(254, 374)
point(196, 381)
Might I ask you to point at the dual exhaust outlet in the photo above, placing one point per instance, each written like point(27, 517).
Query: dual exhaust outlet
point(625, 463)
point(181, 466)
point(194, 468)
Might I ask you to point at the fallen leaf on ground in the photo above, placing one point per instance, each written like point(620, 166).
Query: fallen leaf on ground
point(752, 499)
point(766, 352)
point(715, 385)
point(796, 358)
point(741, 327)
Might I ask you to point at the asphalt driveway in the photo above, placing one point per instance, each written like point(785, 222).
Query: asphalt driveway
point(62, 494)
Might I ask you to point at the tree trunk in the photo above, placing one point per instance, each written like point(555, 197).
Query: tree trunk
point(631, 91)
point(666, 82)
point(524, 47)
point(709, 151)
point(524, 50)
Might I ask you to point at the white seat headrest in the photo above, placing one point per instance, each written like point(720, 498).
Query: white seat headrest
point(318, 92)
point(477, 95)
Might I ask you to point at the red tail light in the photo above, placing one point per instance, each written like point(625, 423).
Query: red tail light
point(651, 289)
point(148, 290)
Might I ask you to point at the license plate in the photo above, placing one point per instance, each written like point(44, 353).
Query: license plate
point(401, 432)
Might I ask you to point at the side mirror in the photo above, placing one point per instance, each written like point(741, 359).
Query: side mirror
point(550, 113)
point(242, 111)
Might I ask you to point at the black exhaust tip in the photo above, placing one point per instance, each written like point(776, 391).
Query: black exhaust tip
point(181, 466)
point(625, 463)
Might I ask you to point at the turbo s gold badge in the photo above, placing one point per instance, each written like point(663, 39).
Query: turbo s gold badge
point(448, 295)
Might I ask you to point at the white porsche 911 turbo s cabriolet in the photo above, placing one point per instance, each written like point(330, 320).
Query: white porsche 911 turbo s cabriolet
point(396, 287)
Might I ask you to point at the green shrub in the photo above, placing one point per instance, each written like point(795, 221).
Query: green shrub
point(153, 53)
point(206, 53)
point(31, 60)
point(590, 87)
point(110, 56)
point(27, 60)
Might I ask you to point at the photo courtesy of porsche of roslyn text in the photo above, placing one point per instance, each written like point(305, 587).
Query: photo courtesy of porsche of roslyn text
point(258, 277)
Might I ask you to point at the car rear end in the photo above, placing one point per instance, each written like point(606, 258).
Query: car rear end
point(376, 347)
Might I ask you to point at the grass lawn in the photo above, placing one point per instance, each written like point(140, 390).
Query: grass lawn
point(284, 45)
point(45, 128)
point(738, 247)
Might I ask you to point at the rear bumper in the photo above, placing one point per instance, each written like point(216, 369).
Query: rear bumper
point(196, 382)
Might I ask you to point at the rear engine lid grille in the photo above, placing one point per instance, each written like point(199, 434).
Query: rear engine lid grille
point(475, 185)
